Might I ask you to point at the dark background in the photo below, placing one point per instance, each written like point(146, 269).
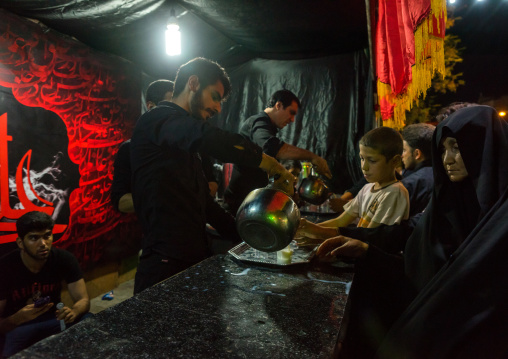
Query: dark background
point(483, 30)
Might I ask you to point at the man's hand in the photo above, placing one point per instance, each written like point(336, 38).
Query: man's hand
point(66, 314)
point(285, 181)
point(28, 313)
point(321, 166)
point(342, 247)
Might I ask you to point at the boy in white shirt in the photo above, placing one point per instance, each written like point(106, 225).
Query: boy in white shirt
point(384, 200)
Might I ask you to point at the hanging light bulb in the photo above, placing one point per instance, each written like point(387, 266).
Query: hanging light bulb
point(173, 39)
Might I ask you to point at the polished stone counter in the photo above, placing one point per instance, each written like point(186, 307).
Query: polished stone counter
point(219, 308)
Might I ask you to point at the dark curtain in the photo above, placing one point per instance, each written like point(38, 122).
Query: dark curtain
point(337, 106)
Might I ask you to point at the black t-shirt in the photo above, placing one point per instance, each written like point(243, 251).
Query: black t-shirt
point(18, 284)
point(121, 174)
point(170, 191)
point(260, 130)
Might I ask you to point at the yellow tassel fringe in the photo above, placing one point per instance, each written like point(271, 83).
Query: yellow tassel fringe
point(429, 59)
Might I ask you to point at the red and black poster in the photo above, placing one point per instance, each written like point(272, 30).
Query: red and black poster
point(64, 111)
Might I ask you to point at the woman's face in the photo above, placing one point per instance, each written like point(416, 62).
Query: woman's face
point(452, 160)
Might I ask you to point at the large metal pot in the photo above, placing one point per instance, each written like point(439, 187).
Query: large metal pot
point(313, 190)
point(268, 219)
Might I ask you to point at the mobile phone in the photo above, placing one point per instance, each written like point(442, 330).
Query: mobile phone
point(41, 301)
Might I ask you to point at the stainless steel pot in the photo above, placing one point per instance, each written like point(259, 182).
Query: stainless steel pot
point(268, 219)
point(313, 190)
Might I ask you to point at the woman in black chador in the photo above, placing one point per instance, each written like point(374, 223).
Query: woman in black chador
point(457, 256)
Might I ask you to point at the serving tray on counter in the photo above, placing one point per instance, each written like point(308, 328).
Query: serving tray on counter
point(245, 253)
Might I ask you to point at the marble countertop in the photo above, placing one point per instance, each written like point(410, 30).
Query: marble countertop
point(219, 308)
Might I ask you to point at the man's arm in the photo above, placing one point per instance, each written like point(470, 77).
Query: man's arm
point(79, 296)
point(290, 152)
point(391, 239)
point(23, 315)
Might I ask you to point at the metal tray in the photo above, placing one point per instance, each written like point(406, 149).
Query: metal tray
point(247, 254)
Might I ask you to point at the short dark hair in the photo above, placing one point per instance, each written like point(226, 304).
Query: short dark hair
point(158, 89)
point(208, 73)
point(288, 164)
point(33, 221)
point(451, 108)
point(385, 140)
point(419, 136)
point(284, 96)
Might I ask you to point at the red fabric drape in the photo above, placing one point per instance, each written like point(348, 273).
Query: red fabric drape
point(395, 44)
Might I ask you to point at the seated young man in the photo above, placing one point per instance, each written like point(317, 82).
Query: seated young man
point(384, 200)
point(31, 283)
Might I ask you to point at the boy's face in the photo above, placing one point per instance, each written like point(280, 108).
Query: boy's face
point(375, 167)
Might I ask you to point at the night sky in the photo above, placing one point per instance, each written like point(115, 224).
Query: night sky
point(483, 31)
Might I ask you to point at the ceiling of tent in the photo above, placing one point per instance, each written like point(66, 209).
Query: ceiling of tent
point(228, 31)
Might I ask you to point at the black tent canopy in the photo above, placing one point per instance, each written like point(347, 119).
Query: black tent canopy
point(318, 49)
point(230, 32)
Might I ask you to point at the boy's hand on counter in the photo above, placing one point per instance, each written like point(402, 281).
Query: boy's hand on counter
point(304, 229)
point(313, 230)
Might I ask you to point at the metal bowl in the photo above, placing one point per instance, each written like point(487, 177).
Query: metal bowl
point(268, 219)
point(313, 190)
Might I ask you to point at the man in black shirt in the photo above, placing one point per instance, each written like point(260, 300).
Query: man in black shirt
point(31, 282)
point(121, 192)
point(170, 191)
point(418, 177)
point(262, 129)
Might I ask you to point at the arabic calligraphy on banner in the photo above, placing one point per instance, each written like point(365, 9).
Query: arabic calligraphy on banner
point(64, 111)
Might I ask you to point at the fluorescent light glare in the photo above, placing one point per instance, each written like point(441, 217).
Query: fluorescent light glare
point(452, 1)
point(173, 40)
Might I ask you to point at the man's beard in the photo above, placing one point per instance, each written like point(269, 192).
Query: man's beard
point(196, 105)
point(35, 255)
